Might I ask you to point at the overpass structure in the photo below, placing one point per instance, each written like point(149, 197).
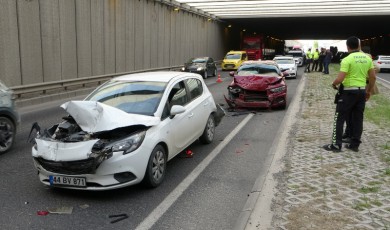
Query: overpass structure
point(55, 40)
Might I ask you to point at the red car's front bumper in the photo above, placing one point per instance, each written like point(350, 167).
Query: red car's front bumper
point(248, 101)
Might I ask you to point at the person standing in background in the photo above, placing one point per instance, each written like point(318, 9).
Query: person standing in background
point(316, 56)
point(321, 60)
point(327, 59)
point(309, 60)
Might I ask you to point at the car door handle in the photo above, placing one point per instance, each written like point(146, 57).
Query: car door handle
point(190, 115)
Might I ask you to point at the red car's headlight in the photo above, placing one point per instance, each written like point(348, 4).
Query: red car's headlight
point(234, 89)
point(278, 89)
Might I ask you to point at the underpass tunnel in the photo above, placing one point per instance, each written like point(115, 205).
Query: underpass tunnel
point(372, 30)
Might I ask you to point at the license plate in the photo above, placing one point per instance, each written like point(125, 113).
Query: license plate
point(67, 180)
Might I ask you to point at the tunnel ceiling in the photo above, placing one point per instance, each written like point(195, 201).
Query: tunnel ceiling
point(316, 27)
point(301, 19)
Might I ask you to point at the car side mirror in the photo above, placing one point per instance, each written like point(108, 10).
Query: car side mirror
point(176, 109)
point(231, 73)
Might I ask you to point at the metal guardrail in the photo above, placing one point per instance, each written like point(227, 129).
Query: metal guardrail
point(64, 85)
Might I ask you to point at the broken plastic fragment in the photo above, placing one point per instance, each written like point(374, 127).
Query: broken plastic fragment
point(42, 213)
point(84, 206)
point(61, 210)
point(189, 153)
point(120, 217)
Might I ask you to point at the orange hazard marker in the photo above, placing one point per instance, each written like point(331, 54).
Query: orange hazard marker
point(219, 80)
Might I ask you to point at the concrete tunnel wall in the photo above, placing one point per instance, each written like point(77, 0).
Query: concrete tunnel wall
point(51, 40)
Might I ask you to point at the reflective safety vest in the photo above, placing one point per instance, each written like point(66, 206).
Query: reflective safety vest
point(309, 55)
point(356, 66)
point(316, 55)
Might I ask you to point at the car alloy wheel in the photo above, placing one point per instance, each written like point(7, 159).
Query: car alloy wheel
point(7, 134)
point(155, 170)
point(208, 133)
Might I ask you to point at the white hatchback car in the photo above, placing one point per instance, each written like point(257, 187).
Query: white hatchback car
point(287, 64)
point(382, 62)
point(125, 131)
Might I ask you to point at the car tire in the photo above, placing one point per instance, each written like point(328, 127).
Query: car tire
point(156, 168)
point(7, 134)
point(209, 131)
point(205, 75)
point(284, 106)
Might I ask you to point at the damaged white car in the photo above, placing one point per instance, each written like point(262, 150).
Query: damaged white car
point(125, 131)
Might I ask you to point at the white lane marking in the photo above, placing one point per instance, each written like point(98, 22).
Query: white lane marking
point(155, 215)
point(383, 80)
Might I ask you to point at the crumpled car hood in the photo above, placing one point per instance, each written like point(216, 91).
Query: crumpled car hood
point(256, 82)
point(94, 116)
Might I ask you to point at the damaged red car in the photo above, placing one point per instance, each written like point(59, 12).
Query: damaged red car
point(257, 84)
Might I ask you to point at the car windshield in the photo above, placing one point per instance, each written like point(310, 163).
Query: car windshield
point(296, 54)
point(138, 97)
point(385, 58)
point(250, 70)
point(233, 56)
point(197, 60)
point(285, 61)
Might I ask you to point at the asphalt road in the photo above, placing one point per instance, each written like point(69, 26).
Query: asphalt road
point(384, 78)
point(212, 200)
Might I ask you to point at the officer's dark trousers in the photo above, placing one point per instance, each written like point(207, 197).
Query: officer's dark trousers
point(308, 62)
point(315, 65)
point(320, 65)
point(350, 105)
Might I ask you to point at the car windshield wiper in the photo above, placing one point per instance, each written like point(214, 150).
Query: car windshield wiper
point(143, 92)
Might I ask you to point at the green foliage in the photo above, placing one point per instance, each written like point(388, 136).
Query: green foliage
point(366, 190)
point(360, 206)
point(379, 110)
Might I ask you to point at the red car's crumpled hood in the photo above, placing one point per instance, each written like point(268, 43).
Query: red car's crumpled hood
point(256, 82)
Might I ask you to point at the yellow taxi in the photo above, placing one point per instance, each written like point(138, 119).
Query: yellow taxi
point(233, 60)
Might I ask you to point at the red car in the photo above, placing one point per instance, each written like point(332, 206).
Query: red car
point(257, 84)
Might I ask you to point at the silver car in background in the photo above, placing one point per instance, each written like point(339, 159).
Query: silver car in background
point(298, 55)
point(288, 65)
point(382, 62)
point(9, 118)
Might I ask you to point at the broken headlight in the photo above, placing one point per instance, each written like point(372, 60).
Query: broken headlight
point(278, 89)
point(128, 144)
point(234, 89)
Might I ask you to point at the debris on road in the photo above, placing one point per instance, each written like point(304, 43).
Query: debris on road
point(61, 210)
point(42, 213)
point(189, 153)
point(121, 217)
point(84, 206)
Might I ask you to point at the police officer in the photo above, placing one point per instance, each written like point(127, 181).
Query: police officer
point(354, 70)
point(321, 60)
point(316, 56)
point(309, 59)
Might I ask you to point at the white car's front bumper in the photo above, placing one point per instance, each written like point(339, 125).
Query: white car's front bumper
point(116, 172)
